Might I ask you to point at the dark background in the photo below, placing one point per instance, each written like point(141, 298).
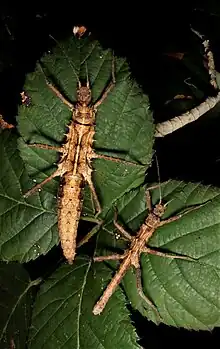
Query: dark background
point(146, 36)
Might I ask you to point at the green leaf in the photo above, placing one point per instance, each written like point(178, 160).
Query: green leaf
point(62, 314)
point(186, 293)
point(27, 227)
point(124, 123)
point(16, 302)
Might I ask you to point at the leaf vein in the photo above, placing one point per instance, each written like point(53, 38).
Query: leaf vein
point(63, 277)
point(25, 204)
point(193, 287)
point(172, 296)
point(22, 228)
point(80, 304)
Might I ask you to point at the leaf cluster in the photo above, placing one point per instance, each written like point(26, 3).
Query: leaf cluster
point(186, 293)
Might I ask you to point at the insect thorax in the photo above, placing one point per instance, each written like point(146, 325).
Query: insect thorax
point(84, 115)
point(152, 220)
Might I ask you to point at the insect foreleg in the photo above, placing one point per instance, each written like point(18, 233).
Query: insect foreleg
point(59, 95)
point(109, 87)
point(175, 218)
point(167, 255)
point(55, 90)
point(122, 231)
point(148, 200)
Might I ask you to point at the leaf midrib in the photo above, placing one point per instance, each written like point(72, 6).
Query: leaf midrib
point(80, 303)
point(26, 204)
point(14, 308)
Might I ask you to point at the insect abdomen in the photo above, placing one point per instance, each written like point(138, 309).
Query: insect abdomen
point(70, 207)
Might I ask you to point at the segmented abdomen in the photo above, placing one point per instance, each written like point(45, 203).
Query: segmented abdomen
point(69, 211)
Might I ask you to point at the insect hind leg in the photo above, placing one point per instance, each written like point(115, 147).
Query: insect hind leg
point(142, 295)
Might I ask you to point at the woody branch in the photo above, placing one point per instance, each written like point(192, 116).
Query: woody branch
point(169, 126)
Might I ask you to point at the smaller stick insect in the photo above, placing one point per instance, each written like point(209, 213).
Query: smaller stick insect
point(74, 167)
point(138, 245)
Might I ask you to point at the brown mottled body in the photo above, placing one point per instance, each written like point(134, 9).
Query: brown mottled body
point(74, 167)
point(69, 211)
point(131, 257)
point(78, 152)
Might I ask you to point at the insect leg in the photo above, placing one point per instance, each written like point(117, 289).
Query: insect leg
point(175, 218)
point(38, 186)
point(109, 87)
point(148, 200)
point(56, 91)
point(158, 185)
point(46, 146)
point(100, 305)
point(106, 157)
point(123, 232)
point(94, 195)
point(88, 236)
point(113, 257)
point(142, 295)
point(167, 255)
point(59, 95)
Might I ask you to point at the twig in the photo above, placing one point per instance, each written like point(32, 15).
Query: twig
point(210, 58)
point(169, 126)
point(211, 64)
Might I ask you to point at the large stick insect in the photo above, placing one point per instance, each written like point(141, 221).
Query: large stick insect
point(138, 245)
point(75, 167)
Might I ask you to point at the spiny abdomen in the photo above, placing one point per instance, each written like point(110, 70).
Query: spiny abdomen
point(70, 207)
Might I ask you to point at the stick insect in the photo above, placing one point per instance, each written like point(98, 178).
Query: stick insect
point(138, 245)
point(74, 167)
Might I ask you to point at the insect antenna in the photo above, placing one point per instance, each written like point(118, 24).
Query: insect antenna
point(40, 65)
point(45, 72)
point(87, 76)
point(67, 57)
point(158, 174)
point(159, 180)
